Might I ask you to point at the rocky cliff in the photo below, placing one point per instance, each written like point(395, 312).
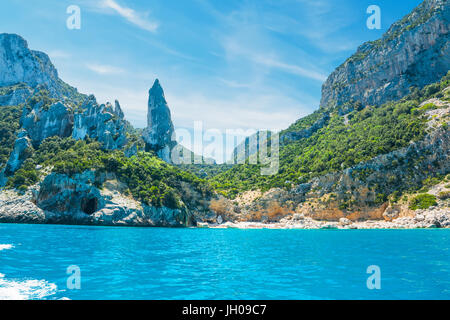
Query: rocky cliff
point(337, 166)
point(414, 52)
point(101, 122)
point(378, 144)
point(359, 193)
point(28, 68)
point(159, 134)
point(52, 178)
point(61, 199)
point(50, 106)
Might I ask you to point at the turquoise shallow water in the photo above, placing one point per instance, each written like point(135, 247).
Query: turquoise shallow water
point(142, 263)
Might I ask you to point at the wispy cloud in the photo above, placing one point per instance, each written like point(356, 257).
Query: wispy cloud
point(234, 46)
point(291, 68)
point(59, 54)
point(131, 15)
point(243, 111)
point(234, 84)
point(104, 69)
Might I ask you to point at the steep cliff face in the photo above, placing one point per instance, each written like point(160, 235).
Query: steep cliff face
point(76, 200)
point(20, 65)
point(51, 107)
point(41, 123)
point(15, 95)
point(414, 52)
point(101, 122)
point(159, 134)
point(22, 147)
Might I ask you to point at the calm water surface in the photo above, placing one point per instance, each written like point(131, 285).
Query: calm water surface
point(154, 263)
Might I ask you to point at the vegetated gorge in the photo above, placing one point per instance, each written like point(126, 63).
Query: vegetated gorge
point(374, 155)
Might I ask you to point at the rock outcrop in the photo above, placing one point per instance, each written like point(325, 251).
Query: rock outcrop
point(51, 107)
point(354, 193)
point(19, 154)
point(20, 65)
point(159, 134)
point(101, 122)
point(44, 122)
point(78, 200)
point(14, 95)
point(66, 195)
point(414, 52)
point(15, 208)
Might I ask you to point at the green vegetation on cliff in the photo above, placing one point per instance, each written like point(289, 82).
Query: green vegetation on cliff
point(342, 142)
point(9, 124)
point(422, 201)
point(149, 179)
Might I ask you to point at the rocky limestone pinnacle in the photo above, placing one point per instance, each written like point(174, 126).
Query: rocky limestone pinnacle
point(159, 134)
point(118, 110)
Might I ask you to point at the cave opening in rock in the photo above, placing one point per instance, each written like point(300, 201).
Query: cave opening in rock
point(89, 206)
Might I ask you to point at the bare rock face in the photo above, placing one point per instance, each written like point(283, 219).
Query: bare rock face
point(15, 95)
point(159, 134)
point(118, 110)
point(41, 123)
point(19, 154)
point(414, 52)
point(51, 107)
point(15, 208)
point(77, 200)
point(101, 122)
point(69, 196)
point(20, 64)
point(22, 70)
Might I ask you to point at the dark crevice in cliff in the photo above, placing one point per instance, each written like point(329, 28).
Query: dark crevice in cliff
point(89, 205)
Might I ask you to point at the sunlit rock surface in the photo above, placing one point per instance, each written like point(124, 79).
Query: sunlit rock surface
point(159, 134)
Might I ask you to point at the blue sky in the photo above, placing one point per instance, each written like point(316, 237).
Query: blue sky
point(231, 64)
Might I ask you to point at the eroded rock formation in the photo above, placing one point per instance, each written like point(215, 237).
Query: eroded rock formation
point(414, 52)
point(159, 134)
point(101, 122)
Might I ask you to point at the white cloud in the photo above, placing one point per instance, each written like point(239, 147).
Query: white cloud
point(244, 111)
point(131, 15)
point(104, 69)
point(234, 47)
point(235, 84)
point(294, 69)
point(59, 54)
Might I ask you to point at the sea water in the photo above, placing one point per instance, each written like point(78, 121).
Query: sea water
point(159, 263)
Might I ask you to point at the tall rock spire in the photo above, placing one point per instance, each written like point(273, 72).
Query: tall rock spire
point(159, 134)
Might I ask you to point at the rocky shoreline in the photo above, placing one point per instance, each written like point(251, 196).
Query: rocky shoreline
point(15, 208)
point(427, 219)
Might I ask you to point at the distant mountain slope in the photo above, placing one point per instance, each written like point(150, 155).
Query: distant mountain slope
point(414, 52)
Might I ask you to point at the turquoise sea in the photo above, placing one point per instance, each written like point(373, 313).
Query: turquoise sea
point(157, 263)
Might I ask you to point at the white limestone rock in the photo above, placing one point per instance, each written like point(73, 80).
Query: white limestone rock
point(159, 134)
point(414, 52)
